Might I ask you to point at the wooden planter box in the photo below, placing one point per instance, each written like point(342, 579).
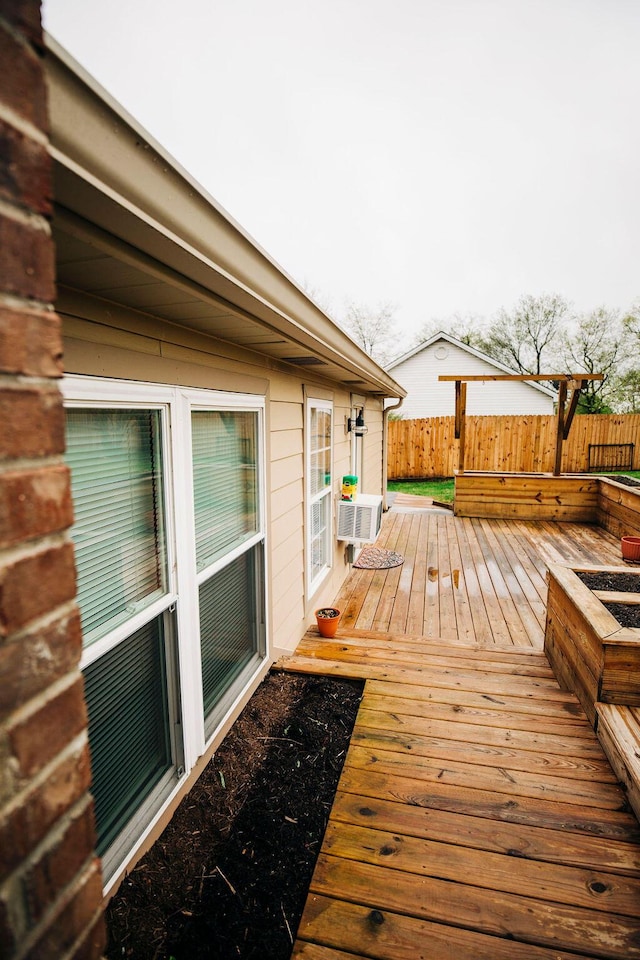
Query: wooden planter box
point(618, 508)
point(590, 652)
point(521, 496)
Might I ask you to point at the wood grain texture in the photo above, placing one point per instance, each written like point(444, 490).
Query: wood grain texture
point(476, 814)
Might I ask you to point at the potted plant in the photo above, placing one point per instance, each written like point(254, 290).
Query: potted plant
point(328, 619)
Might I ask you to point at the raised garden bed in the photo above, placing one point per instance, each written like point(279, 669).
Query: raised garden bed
point(592, 636)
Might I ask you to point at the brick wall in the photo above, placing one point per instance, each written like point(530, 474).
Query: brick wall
point(50, 882)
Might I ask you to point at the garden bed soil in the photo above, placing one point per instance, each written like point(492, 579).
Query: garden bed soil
point(627, 481)
point(627, 615)
point(229, 876)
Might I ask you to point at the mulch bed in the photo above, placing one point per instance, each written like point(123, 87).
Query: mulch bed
point(627, 615)
point(229, 876)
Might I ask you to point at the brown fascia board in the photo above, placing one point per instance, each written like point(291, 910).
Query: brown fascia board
point(110, 172)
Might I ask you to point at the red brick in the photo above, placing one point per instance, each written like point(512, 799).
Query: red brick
point(25, 16)
point(30, 343)
point(75, 917)
point(34, 503)
point(59, 864)
point(32, 422)
point(93, 943)
point(34, 585)
point(63, 718)
point(27, 266)
point(33, 660)
point(23, 84)
point(45, 805)
point(25, 170)
point(7, 936)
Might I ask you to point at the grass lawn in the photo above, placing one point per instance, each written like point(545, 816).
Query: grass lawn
point(441, 489)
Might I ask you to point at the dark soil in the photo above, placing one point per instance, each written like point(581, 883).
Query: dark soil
point(627, 615)
point(627, 481)
point(229, 876)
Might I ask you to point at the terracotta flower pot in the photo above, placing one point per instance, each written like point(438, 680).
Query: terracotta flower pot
point(328, 619)
point(630, 548)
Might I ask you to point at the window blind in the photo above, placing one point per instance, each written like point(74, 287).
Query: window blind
point(115, 461)
point(126, 693)
point(224, 446)
point(229, 624)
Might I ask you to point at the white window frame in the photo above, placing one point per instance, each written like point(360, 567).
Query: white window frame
point(313, 583)
point(176, 404)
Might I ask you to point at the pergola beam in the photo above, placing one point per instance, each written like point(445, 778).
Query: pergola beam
point(576, 381)
point(567, 377)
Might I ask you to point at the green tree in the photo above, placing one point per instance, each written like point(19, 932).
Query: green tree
point(625, 392)
point(599, 344)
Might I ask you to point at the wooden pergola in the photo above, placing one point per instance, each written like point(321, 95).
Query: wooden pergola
point(569, 383)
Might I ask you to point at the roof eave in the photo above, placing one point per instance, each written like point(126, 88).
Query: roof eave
point(111, 173)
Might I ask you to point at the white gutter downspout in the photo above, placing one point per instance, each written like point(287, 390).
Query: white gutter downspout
point(385, 444)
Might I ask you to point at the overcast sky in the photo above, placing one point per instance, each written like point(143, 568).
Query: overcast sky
point(445, 155)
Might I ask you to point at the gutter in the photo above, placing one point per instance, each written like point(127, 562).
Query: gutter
point(385, 444)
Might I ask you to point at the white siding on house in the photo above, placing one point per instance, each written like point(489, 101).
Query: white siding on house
point(427, 397)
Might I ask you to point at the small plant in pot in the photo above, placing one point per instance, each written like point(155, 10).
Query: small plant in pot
point(328, 619)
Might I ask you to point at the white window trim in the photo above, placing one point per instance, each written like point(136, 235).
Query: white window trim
point(313, 583)
point(176, 404)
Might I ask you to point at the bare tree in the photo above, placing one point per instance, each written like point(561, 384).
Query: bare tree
point(527, 338)
point(465, 327)
point(631, 323)
point(374, 329)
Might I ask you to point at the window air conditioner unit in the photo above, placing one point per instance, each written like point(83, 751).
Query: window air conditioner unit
point(359, 520)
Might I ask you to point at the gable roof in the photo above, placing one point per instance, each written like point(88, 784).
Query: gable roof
point(472, 351)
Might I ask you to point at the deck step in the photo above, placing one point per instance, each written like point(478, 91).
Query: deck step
point(619, 733)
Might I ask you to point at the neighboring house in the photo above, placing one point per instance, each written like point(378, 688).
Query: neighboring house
point(419, 369)
point(207, 407)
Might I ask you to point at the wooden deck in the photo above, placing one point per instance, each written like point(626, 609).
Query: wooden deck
point(476, 816)
point(478, 581)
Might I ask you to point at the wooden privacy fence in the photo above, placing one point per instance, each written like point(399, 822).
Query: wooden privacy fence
point(512, 444)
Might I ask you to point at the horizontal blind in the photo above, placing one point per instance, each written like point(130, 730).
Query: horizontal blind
point(229, 624)
point(115, 461)
point(126, 693)
point(224, 447)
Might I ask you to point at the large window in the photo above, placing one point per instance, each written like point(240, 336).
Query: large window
point(319, 486)
point(168, 498)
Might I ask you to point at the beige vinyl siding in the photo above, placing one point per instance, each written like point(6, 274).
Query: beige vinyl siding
point(282, 498)
point(104, 339)
point(372, 441)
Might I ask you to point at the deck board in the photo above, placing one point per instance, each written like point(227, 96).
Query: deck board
point(476, 815)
